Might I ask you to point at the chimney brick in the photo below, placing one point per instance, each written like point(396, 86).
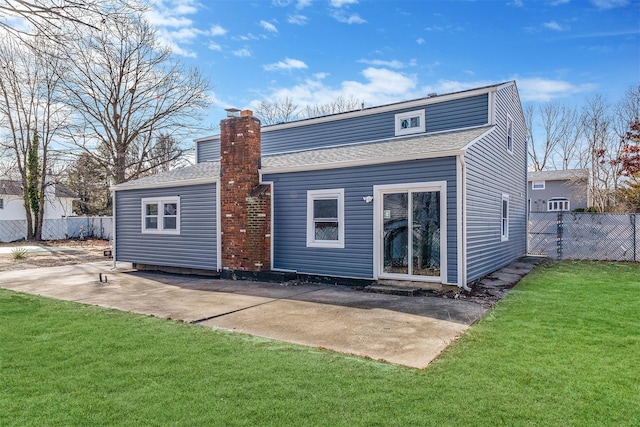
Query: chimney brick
point(245, 204)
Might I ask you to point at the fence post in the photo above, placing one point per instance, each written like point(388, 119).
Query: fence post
point(633, 227)
point(559, 228)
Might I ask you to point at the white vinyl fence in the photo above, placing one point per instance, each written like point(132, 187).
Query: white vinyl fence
point(100, 227)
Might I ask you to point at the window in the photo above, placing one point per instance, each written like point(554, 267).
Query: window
point(1, 203)
point(509, 134)
point(411, 122)
point(557, 204)
point(537, 185)
point(161, 215)
point(504, 229)
point(325, 218)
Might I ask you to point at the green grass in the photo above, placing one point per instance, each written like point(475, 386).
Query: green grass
point(563, 348)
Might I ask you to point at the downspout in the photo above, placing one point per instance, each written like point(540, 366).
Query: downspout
point(113, 227)
point(463, 246)
point(218, 224)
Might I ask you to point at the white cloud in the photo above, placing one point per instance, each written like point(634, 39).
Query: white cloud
point(247, 37)
point(559, 2)
point(609, 4)
point(516, 3)
point(345, 18)
point(300, 4)
point(553, 25)
point(268, 26)
point(420, 40)
point(379, 86)
point(159, 19)
point(215, 46)
point(545, 90)
point(243, 53)
point(297, 19)
point(340, 3)
point(175, 28)
point(287, 64)
point(217, 30)
point(380, 63)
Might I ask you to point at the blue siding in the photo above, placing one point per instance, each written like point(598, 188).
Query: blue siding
point(194, 247)
point(491, 171)
point(208, 150)
point(440, 116)
point(356, 258)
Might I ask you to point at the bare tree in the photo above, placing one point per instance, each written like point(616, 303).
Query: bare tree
point(569, 149)
point(339, 105)
point(28, 108)
point(282, 110)
point(166, 154)
point(557, 123)
point(279, 110)
point(126, 91)
point(46, 18)
point(626, 112)
point(600, 150)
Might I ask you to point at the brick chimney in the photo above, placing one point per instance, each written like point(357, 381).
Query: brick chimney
point(245, 204)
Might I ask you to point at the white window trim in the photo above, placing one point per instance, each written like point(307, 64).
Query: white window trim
point(504, 231)
point(509, 134)
point(401, 116)
point(337, 193)
point(160, 201)
point(557, 201)
point(378, 226)
point(534, 183)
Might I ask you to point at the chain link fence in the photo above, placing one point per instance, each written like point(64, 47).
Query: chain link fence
point(585, 235)
point(59, 229)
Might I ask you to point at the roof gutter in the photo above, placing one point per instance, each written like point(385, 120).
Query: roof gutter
point(197, 181)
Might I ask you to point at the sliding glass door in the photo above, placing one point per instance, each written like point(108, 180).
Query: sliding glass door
point(411, 242)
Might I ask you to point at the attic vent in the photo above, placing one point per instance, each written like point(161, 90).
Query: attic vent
point(232, 112)
point(432, 94)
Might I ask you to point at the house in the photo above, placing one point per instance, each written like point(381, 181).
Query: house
point(555, 191)
point(427, 190)
point(58, 201)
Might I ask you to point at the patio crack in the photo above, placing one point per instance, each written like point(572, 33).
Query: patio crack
point(215, 316)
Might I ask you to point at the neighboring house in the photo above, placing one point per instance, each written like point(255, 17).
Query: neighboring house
point(58, 201)
point(432, 190)
point(554, 191)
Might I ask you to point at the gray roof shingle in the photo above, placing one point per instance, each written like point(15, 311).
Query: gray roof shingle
point(198, 173)
point(561, 175)
point(396, 149)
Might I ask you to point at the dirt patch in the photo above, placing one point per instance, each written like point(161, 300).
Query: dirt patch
point(58, 252)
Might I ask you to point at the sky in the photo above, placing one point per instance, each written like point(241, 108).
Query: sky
point(380, 51)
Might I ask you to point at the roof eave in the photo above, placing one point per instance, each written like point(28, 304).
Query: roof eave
point(167, 184)
point(356, 163)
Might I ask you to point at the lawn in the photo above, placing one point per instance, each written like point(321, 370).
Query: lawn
point(563, 348)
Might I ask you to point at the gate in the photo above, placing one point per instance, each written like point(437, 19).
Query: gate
point(584, 235)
